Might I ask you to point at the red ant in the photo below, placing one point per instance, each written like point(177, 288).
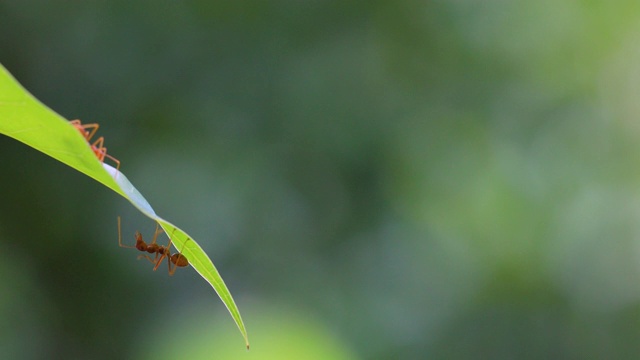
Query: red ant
point(178, 260)
point(97, 146)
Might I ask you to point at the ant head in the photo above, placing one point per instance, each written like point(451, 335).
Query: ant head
point(140, 244)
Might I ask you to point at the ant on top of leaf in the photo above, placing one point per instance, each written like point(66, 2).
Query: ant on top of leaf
point(88, 131)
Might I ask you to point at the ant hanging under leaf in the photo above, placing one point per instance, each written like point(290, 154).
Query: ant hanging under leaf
point(88, 131)
point(161, 252)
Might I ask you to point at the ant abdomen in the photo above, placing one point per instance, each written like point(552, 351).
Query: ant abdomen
point(179, 260)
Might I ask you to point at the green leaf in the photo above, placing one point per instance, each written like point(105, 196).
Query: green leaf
point(25, 119)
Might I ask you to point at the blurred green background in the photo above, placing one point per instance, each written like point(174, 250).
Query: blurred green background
point(373, 179)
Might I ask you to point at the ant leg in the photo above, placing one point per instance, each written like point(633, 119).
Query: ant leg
point(114, 160)
point(159, 231)
point(166, 254)
point(84, 128)
point(120, 237)
point(98, 148)
point(146, 257)
point(170, 240)
point(160, 261)
point(171, 271)
point(94, 129)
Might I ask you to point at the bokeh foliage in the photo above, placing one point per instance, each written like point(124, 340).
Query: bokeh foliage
point(439, 179)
